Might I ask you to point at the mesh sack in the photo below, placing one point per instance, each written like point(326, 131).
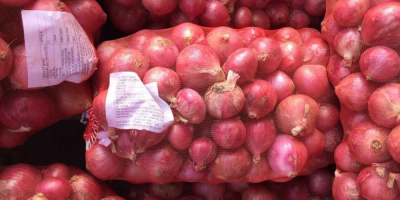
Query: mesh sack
point(47, 55)
point(364, 68)
point(236, 105)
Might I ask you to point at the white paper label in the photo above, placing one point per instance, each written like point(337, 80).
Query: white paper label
point(57, 48)
point(132, 105)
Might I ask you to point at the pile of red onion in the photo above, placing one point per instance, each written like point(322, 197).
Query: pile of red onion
point(56, 181)
point(316, 186)
point(364, 68)
point(249, 105)
point(129, 16)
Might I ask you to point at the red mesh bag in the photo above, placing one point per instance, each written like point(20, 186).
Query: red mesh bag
point(236, 105)
point(47, 54)
point(364, 68)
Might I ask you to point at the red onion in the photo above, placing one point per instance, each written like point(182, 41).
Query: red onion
point(256, 192)
point(19, 181)
point(378, 26)
point(349, 13)
point(54, 188)
point(282, 84)
point(345, 186)
point(123, 144)
point(225, 99)
point(260, 18)
point(298, 19)
point(380, 64)
point(393, 143)
point(237, 186)
point(297, 115)
point(161, 52)
point(186, 34)
point(180, 135)
point(190, 106)
point(354, 91)
point(298, 189)
point(167, 80)
point(102, 163)
point(243, 62)
point(344, 160)
point(337, 71)
point(288, 34)
point(188, 172)
point(71, 98)
point(249, 34)
point(134, 174)
point(145, 139)
point(384, 105)
point(165, 191)
point(315, 7)
point(278, 12)
point(228, 133)
point(375, 183)
point(177, 18)
point(316, 51)
point(209, 191)
point(129, 60)
point(260, 136)
point(348, 44)
point(214, 14)
point(224, 41)
point(259, 171)
point(311, 80)
point(316, 162)
point(242, 17)
point(165, 162)
point(198, 67)
point(56, 170)
point(192, 8)
point(202, 151)
point(85, 186)
point(128, 19)
point(308, 34)
point(315, 142)
point(27, 110)
point(320, 182)
point(329, 28)
point(231, 165)
point(292, 57)
point(368, 143)
point(333, 137)
point(269, 54)
point(260, 97)
point(140, 40)
point(287, 162)
point(160, 7)
point(350, 119)
point(328, 116)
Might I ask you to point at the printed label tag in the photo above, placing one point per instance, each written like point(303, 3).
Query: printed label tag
point(57, 48)
point(132, 105)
